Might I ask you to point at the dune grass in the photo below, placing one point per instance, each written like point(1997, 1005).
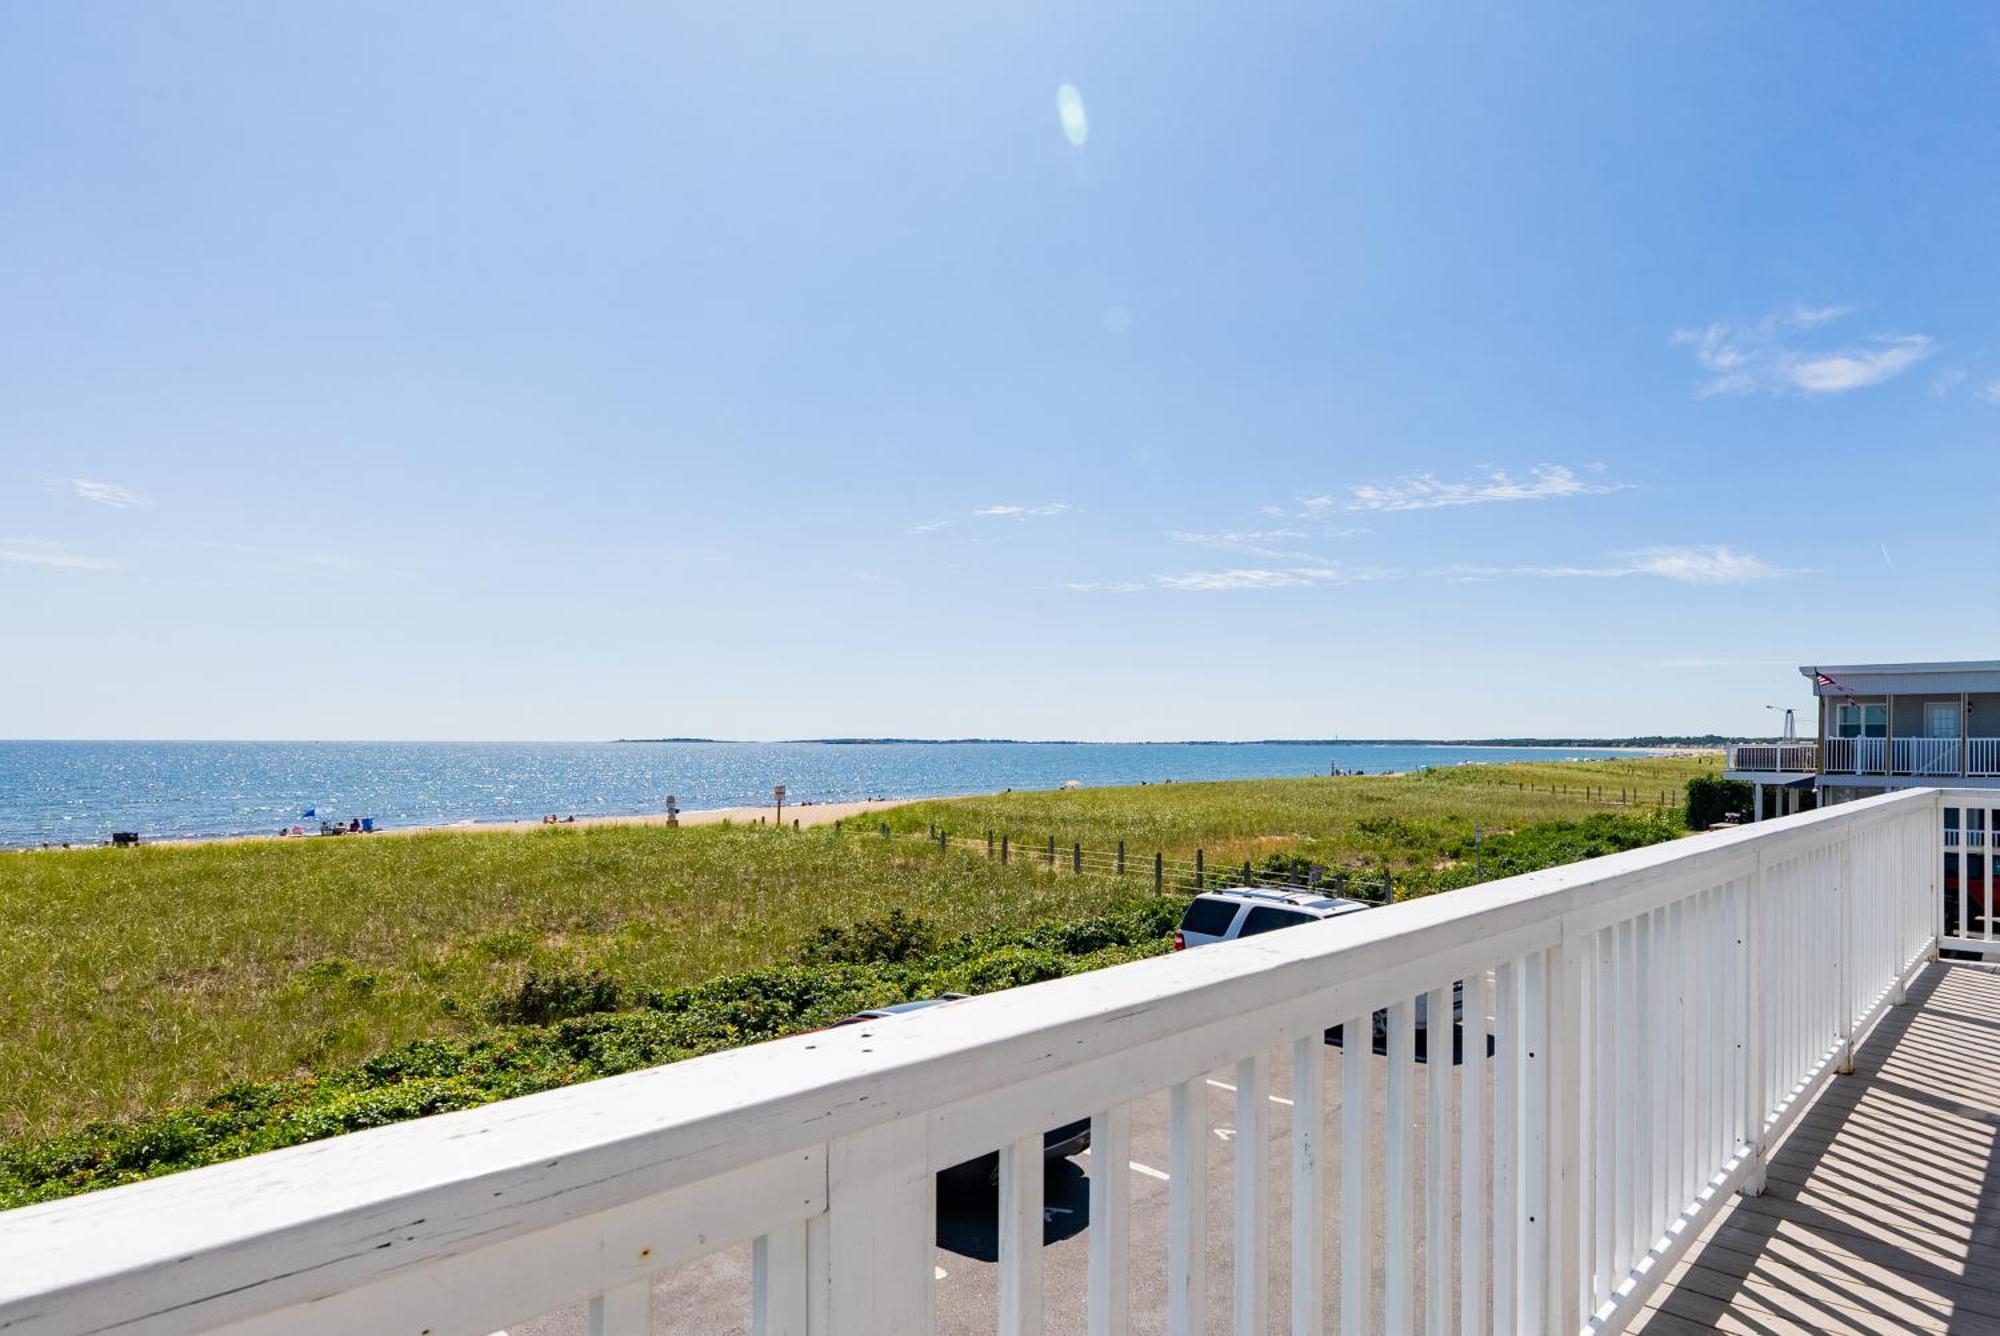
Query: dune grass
point(134, 981)
point(1406, 821)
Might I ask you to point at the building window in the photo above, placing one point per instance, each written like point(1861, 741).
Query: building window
point(1864, 721)
point(1941, 719)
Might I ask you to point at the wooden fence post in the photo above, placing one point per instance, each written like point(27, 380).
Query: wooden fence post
point(1388, 886)
point(1076, 858)
point(1197, 869)
point(1246, 872)
point(1003, 850)
point(1052, 851)
point(1121, 858)
point(989, 844)
point(1159, 873)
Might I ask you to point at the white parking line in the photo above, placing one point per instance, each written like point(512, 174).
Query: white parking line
point(1224, 1085)
point(1146, 1169)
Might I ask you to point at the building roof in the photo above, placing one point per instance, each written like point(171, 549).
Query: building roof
point(1878, 679)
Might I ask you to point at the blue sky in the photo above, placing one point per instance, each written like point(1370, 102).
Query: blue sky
point(457, 371)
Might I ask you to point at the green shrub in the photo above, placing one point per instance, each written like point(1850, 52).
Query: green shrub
point(1711, 797)
point(558, 994)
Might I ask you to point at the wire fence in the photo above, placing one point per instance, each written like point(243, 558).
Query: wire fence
point(1183, 876)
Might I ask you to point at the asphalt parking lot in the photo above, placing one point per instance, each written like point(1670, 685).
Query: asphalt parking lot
point(713, 1294)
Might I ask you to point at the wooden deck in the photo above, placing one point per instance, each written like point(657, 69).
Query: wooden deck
point(1882, 1212)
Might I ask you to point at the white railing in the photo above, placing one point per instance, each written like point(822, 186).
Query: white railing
point(1928, 757)
point(1857, 756)
point(1982, 756)
point(1970, 840)
point(1796, 757)
point(1658, 1018)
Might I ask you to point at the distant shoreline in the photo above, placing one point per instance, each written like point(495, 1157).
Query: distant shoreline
point(1652, 743)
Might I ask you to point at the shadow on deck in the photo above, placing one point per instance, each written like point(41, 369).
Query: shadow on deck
point(1882, 1209)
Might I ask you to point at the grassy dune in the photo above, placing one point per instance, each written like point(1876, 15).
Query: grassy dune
point(133, 981)
point(1404, 820)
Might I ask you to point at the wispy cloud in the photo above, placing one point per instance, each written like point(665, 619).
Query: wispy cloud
point(1010, 512)
point(928, 526)
point(1697, 565)
point(1287, 577)
point(1255, 543)
point(1425, 491)
point(1772, 355)
point(50, 556)
point(1989, 393)
point(1105, 586)
point(105, 494)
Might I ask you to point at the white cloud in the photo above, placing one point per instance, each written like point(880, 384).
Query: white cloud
point(1424, 491)
point(928, 526)
point(1768, 354)
point(1989, 393)
point(50, 556)
point(1008, 512)
point(1837, 373)
point(1106, 586)
point(1701, 565)
point(1254, 543)
point(106, 494)
point(1288, 577)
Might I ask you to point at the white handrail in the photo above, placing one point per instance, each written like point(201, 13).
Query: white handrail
point(1722, 977)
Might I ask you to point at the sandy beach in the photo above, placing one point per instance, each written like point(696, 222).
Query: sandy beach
point(804, 814)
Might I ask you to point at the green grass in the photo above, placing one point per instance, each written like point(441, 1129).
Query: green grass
point(137, 981)
point(1408, 821)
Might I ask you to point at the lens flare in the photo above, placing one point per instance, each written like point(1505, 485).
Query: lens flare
point(1069, 110)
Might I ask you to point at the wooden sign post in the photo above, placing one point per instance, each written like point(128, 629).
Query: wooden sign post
point(779, 794)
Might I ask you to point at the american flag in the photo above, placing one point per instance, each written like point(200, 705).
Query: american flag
point(1825, 683)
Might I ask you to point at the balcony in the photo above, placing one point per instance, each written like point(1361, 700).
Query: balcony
point(1924, 758)
point(1653, 1125)
point(1798, 758)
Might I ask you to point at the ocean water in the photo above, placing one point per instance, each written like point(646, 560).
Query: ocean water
point(80, 792)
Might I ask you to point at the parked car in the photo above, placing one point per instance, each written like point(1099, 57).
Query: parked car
point(1058, 1143)
point(1223, 916)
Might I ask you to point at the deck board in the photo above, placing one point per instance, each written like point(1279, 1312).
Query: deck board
point(1882, 1210)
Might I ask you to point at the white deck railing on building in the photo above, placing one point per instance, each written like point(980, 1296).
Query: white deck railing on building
point(1772, 757)
point(1659, 1018)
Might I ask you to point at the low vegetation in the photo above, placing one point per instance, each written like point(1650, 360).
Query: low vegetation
point(172, 1006)
point(841, 971)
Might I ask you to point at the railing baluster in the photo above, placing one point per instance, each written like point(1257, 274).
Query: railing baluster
point(1604, 1021)
point(881, 1231)
point(1110, 1287)
point(1357, 1196)
point(1506, 1143)
point(778, 1281)
point(1252, 1270)
point(1397, 1272)
point(1755, 1088)
point(625, 1311)
point(1020, 1237)
point(1532, 1285)
point(1187, 1204)
point(1308, 1185)
point(1472, 1161)
point(1437, 1165)
point(1625, 1223)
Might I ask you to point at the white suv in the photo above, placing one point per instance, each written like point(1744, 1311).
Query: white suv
point(1223, 916)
